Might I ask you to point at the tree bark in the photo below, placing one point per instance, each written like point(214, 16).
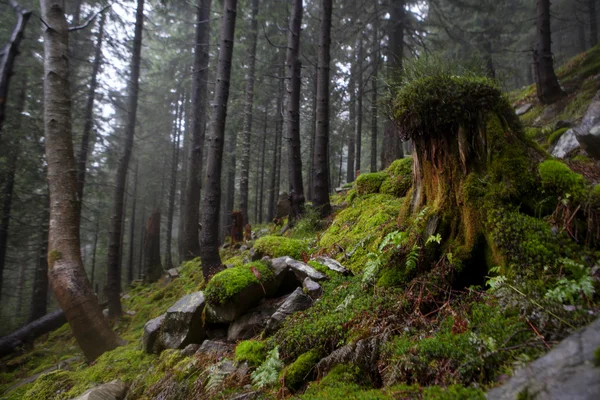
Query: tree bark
point(311, 144)
point(153, 269)
point(352, 120)
point(593, 22)
point(209, 248)
point(173, 186)
point(89, 113)
point(248, 113)
point(8, 56)
point(191, 245)
point(66, 273)
point(94, 250)
point(359, 105)
point(39, 298)
point(113, 277)
point(28, 333)
point(293, 73)
point(231, 149)
point(374, 94)
point(131, 227)
point(183, 180)
point(548, 88)
point(263, 151)
point(321, 158)
point(276, 177)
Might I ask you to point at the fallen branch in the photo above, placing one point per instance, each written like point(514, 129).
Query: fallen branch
point(28, 333)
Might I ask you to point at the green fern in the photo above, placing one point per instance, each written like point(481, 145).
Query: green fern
point(434, 238)
point(268, 372)
point(215, 376)
point(412, 258)
point(569, 290)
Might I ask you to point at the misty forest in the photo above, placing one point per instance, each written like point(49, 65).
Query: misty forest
point(310, 199)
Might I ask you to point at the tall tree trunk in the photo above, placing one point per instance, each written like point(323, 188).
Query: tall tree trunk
point(392, 145)
point(352, 121)
point(82, 157)
point(374, 93)
point(113, 277)
point(39, 298)
point(548, 88)
point(183, 180)
point(321, 159)
point(142, 240)
point(209, 248)
point(311, 144)
point(593, 22)
point(229, 200)
point(191, 245)
point(8, 56)
point(276, 177)
point(173, 186)
point(66, 273)
point(95, 249)
point(152, 267)
point(293, 73)
point(256, 184)
point(263, 155)
point(359, 104)
point(248, 113)
point(131, 227)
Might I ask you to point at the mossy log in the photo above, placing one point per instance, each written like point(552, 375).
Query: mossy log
point(28, 333)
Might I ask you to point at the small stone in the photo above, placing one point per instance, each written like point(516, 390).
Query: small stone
point(214, 348)
point(105, 312)
point(524, 109)
point(131, 313)
point(114, 390)
point(333, 265)
point(151, 333)
point(173, 273)
point(566, 144)
point(190, 349)
point(243, 248)
point(312, 288)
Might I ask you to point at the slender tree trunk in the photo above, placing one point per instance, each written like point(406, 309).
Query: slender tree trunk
point(183, 180)
point(113, 277)
point(142, 239)
point(593, 22)
point(82, 157)
point(276, 177)
point(352, 121)
point(66, 273)
point(152, 267)
point(39, 298)
point(392, 145)
point(256, 184)
point(131, 227)
point(191, 245)
point(248, 113)
point(293, 73)
point(209, 248)
point(548, 88)
point(8, 56)
point(229, 201)
point(263, 151)
point(359, 104)
point(321, 159)
point(313, 133)
point(173, 187)
point(95, 249)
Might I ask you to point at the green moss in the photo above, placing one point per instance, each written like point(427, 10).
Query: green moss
point(555, 136)
point(557, 178)
point(279, 246)
point(53, 385)
point(53, 256)
point(370, 183)
point(300, 370)
point(399, 178)
point(252, 351)
point(236, 261)
point(360, 228)
point(228, 283)
point(343, 391)
point(597, 357)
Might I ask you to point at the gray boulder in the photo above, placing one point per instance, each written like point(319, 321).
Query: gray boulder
point(333, 265)
point(114, 390)
point(588, 131)
point(524, 109)
point(300, 269)
point(297, 301)
point(237, 305)
point(190, 349)
point(255, 321)
point(566, 144)
point(566, 372)
point(284, 279)
point(183, 322)
point(151, 334)
point(214, 348)
point(312, 288)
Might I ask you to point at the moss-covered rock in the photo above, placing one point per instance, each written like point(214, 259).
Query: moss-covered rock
point(399, 178)
point(370, 183)
point(279, 246)
point(557, 178)
point(230, 282)
point(252, 351)
point(300, 370)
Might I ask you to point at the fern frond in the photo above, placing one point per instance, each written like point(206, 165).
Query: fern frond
point(268, 372)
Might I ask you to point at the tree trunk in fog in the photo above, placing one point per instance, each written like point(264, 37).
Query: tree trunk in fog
point(183, 181)
point(173, 186)
point(374, 94)
point(82, 157)
point(153, 269)
point(263, 151)
point(229, 200)
point(276, 170)
point(12, 149)
point(66, 273)
point(142, 239)
point(311, 144)
point(352, 120)
point(113, 277)
point(359, 105)
point(39, 298)
point(8, 56)
point(248, 115)
point(320, 162)
point(131, 227)
point(593, 22)
point(209, 245)
point(392, 145)
point(293, 73)
point(191, 216)
point(95, 249)
point(548, 88)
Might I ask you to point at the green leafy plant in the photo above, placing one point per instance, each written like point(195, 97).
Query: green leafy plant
point(268, 372)
point(572, 289)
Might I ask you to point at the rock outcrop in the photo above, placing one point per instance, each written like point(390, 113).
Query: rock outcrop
point(297, 301)
point(183, 322)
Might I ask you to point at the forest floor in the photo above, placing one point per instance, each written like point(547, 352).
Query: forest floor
point(386, 332)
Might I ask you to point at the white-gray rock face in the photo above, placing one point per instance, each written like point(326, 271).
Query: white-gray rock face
point(114, 390)
point(312, 288)
point(300, 269)
point(567, 372)
point(524, 109)
point(151, 334)
point(566, 144)
point(333, 265)
point(183, 322)
point(297, 301)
